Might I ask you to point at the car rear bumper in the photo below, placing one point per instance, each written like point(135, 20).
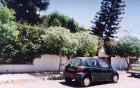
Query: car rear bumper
point(76, 76)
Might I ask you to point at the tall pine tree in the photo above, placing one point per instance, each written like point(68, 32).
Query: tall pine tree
point(107, 22)
point(108, 18)
point(27, 9)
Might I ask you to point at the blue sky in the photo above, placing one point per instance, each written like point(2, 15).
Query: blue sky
point(83, 11)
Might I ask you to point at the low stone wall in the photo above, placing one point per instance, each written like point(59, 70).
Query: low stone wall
point(44, 63)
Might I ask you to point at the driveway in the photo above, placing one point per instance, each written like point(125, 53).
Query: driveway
point(32, 81)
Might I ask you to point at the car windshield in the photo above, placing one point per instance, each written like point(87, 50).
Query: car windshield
point(138, 62)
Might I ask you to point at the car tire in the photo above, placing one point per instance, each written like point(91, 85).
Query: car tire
point(68, 80)
point(115, 78)
point(86, 82)
point(132, 74)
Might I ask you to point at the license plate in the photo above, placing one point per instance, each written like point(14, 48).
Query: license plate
point(137, 68)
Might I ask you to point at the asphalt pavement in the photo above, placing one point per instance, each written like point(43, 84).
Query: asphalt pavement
point(41, 81)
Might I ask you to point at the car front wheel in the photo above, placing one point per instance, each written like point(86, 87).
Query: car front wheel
point(115, 78)
point(86, 82)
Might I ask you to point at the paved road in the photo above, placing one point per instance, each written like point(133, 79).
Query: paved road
point(35, 82)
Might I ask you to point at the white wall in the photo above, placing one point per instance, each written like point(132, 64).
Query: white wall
point(51, 63)
point(44, 63)
point(118, 63)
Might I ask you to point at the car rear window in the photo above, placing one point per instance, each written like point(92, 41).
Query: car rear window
point(91, 62)
point(75, 62)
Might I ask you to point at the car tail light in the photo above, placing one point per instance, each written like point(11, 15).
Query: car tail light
point(80, 69)
point(69, 75)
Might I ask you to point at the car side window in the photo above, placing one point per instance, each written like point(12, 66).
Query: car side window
point(103, 64)
point(91, 63)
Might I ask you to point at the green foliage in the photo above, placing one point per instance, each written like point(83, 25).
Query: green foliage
point(59, 41)
point(69, 49)
point(8, 32)
point(6, 15)
point(126, 47)
point(8, 27)
point(56, 19)
point(87, 44)
point(110, 48)
point(29, 44)
point(22, 43)
point(62, 42)
point(108, 18)
point(27, 9)
point(129, 47)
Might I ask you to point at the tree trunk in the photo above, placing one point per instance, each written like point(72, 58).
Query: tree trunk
point(68, 57)
point(97, 53)
point(100, 44)
point(60, 62)
point(126, 59)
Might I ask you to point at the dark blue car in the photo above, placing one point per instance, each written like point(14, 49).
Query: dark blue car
point(86, 70)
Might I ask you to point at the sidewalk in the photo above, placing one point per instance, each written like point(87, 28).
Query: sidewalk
point(15, 77)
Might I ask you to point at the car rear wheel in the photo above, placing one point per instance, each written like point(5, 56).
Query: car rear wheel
point(132, 74)
point(86, 82)
point(115, 78)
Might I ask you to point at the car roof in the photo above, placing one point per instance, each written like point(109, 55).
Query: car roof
point(86, 58)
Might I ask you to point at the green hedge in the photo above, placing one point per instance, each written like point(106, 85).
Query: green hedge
point(61, 41)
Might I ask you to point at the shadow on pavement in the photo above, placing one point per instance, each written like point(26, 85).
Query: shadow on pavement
point(76, 85)
point(49, 75)
point(136, 76)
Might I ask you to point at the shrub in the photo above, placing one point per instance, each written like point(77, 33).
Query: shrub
point(29, 44)
point(129, 47)
point(87, 44)
point(62, 42)
point(8, 26)
point(8, 32)
point(59, 41)
point(6, 15)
